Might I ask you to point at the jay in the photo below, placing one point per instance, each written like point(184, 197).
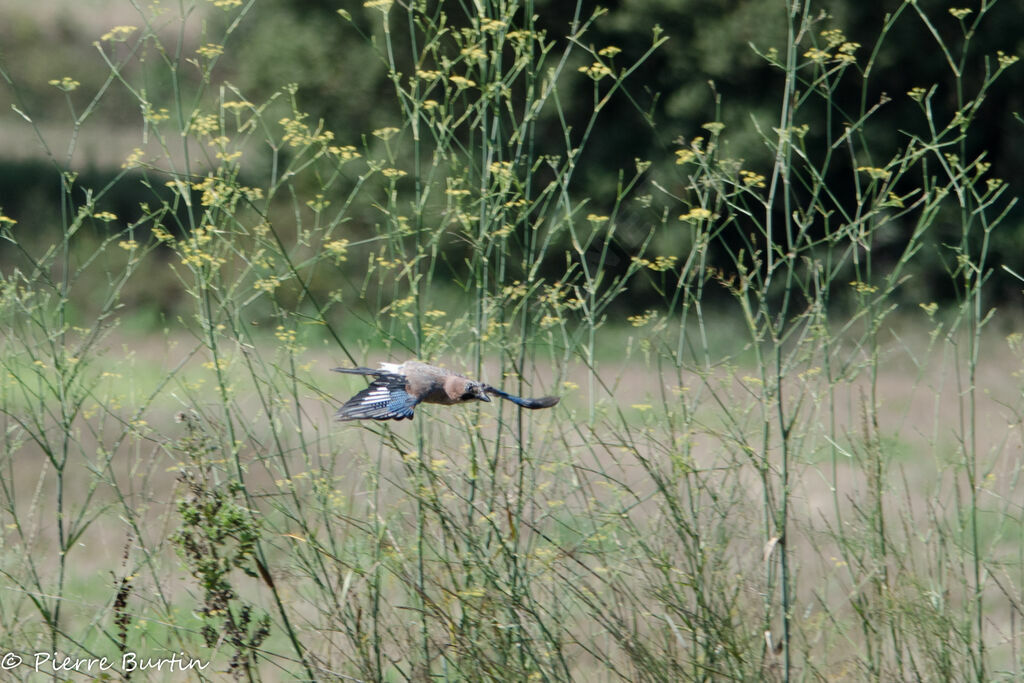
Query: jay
point(398, 388)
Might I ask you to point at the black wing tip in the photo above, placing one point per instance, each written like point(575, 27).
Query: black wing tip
point(360, 411)
point(345, 417)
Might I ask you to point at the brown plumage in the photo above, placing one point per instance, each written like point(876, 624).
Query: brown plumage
point(398, 388)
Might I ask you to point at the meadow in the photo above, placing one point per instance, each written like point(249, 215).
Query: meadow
point(777, 455)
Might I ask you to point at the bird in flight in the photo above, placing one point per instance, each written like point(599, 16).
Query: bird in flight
point(397, 388)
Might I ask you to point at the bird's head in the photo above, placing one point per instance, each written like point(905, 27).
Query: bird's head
point(475, 391)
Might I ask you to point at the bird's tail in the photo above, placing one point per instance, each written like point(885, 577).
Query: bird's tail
point(359, 371)
point(531, 403)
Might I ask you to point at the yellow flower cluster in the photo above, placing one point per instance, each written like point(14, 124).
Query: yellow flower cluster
point(318, 203)
point(696, 215)
point(195, 252)
point(118, 34)
point(817, 55)
point(874, 172)
point(216, 192)
point(642, 319)
point(400, 308)
point(1006, 60)
point(863, 287)
point(834, 39)
point(491, 25)
point(338, 249)
point(557, 298)
point(595, 71)
point(285, 335)
point(751, 179)
point(385, 133)
point(204, 124)
point(517, 290)
point(267, 284)
point(67, 84)
point(133, 159)
point(504, 231)
point(845, 52)
point(522, 37)
point(344, 152)
point(210, 50)
point(502, 169)
point(298, 134)
point(461, 83)
point(685, 156)
point(152, 115)
point(659, 264)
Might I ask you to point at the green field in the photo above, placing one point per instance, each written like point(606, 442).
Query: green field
point(789, 356)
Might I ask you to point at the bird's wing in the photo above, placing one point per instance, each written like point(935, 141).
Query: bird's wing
point(531, 403)
point(393, 368)
point(385, 399)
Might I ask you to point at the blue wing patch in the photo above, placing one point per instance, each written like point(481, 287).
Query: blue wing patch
point(385, 399)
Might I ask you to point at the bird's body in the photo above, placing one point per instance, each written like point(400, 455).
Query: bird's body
point(398, 388)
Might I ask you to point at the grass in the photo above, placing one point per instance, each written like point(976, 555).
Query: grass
point(771, 473)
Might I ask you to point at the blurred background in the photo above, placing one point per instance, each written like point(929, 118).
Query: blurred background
point(708, 70)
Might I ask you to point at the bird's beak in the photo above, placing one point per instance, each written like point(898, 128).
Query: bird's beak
point(482, 395)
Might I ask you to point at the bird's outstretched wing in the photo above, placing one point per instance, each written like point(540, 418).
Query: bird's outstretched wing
point(385, 399)
point(531, 403)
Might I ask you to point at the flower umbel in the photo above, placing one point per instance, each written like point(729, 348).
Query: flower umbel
point(67, 84)
point(118, 34)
